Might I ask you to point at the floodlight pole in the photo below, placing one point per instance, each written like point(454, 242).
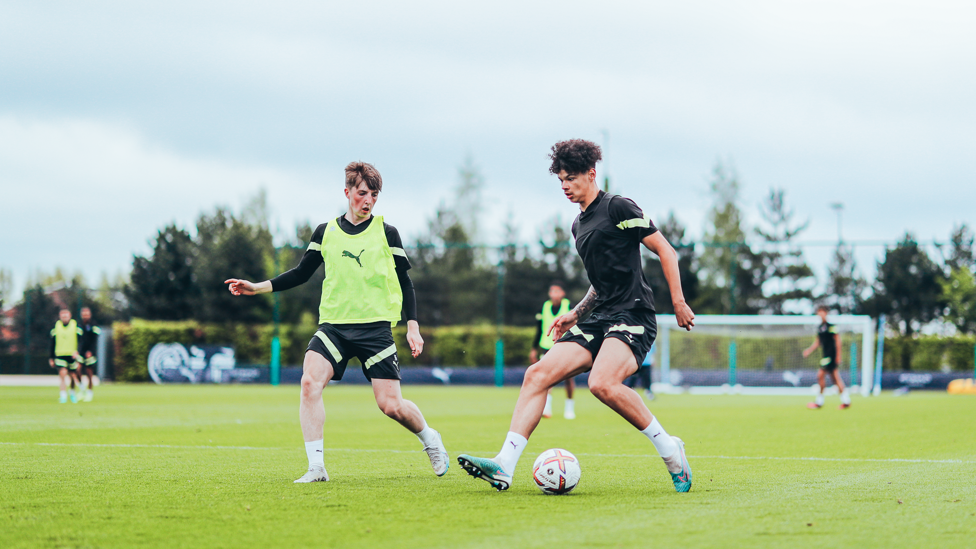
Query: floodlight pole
point(839, 208)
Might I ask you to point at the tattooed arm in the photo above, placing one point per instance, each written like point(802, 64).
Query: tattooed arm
point(563, 324)
point(584, 307)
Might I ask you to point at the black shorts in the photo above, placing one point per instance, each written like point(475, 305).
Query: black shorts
point(371, 343)
point(68, 362)
point(828, 364)
point(635, 327)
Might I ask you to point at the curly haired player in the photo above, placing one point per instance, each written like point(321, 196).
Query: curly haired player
point(621, 326)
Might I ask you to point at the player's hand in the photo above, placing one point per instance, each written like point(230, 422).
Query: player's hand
point(684, 315)
point(806, 353)
point(88, 354)
point(562, 324)
point(50, 362)
point(414, 339)
point(533, 356)
point(238, 286)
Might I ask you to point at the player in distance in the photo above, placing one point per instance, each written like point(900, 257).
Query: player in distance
point(827, 339)
point(88, 349)
point(366, 285)
point(614, 339)
point(556, 306)
point(64, 353)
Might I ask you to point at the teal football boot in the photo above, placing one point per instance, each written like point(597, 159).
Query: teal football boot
point(487, 470)
point(682, 479)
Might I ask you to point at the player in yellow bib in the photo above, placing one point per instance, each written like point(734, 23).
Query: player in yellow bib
point(365, 288)
point(555, 307)
point(64, 353)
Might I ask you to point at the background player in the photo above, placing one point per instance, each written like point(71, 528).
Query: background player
point(64, 353)
point(366, 285)
point(555, 307)
point(87, 348)
point(829, 340)
point(616, 337)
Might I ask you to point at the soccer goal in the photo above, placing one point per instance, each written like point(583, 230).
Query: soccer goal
point(759, 354)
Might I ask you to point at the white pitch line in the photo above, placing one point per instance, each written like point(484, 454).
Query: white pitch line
point(855, 460)
point(363, 450)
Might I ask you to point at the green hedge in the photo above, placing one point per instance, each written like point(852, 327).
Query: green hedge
point(449, 345)
point(930, 353)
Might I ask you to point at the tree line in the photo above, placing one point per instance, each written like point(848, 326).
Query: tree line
point(734, 269)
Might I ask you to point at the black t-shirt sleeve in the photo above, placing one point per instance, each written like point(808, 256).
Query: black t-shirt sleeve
point(309, 263)
point(396, 246)
point(402, 265)
point(627, 216)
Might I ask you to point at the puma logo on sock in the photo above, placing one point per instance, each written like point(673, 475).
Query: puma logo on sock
point(513, 444)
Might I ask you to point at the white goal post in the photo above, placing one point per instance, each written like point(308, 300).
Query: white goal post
point(759, 354)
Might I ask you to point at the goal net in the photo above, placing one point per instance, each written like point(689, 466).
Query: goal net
point(759, 354)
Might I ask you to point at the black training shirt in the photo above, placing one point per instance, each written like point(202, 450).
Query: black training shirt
point(313, 259)
point(826, 334)
point(608, 238)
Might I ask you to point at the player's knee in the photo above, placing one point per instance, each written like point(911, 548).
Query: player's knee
point(535, 378)
point(311, 387)
point(391, 408)
point(600, 388)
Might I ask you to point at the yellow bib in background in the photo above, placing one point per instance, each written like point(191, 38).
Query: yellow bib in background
point(547, 318)
point(65, 338)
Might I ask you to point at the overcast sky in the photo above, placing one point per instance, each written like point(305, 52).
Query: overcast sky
point(117, 118)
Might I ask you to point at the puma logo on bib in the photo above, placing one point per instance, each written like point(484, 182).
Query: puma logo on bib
point(356, 257)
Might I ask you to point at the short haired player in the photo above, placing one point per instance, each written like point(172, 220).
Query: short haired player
point(64, 353)
point(366, 285)
point(556, 306)
point(616, 336)
point(827, 339)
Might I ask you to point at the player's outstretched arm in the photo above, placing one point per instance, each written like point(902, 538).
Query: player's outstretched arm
point(669, 264)
point(563, 323)
point(238, 286)
point(812, 348)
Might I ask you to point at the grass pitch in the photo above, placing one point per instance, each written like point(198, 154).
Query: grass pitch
point(205, 466)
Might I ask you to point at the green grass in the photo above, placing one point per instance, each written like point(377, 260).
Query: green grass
point(216, 464)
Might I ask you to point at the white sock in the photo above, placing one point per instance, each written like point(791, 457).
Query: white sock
point(316, 453)
point(570, 407)
point(820, 399)
point(428, 436)
point(548, 409)
point(661, 439)
point(511, 452)
point(845, 397)
point(64, 394)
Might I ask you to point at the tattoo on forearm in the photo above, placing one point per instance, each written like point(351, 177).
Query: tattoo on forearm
point(584, 307)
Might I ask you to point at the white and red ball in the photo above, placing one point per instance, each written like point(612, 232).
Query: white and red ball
point(556, 471)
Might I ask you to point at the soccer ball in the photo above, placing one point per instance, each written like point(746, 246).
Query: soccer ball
point(556, 471)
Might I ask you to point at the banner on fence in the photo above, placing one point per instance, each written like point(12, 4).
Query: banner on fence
point(178, 363)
